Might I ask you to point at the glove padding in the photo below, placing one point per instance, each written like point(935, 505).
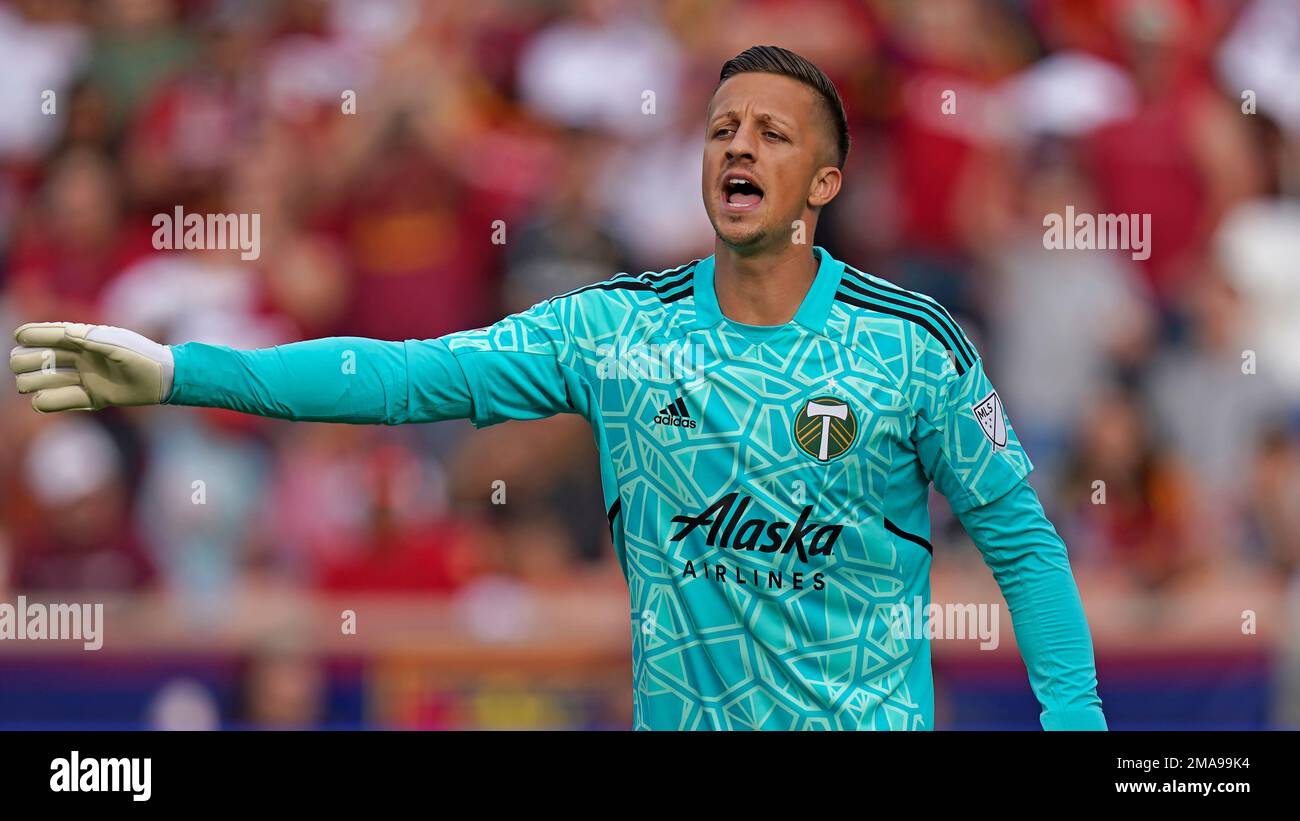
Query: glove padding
point(71, 366)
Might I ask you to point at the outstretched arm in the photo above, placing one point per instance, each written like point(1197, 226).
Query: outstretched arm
point(510, 370)
point(337, 379)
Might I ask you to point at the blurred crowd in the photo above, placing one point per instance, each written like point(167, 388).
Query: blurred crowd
point(382, 140)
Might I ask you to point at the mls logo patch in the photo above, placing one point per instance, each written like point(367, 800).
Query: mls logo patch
point(825, 427)
point(988, 412)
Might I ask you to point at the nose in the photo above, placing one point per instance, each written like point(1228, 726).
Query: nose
point(741, 144)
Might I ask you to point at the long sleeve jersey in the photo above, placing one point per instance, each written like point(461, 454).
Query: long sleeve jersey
point(766, 486)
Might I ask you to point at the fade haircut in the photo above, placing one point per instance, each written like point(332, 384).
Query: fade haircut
point(777, 60)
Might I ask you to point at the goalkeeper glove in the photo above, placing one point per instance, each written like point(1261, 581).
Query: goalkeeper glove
point(71, 366)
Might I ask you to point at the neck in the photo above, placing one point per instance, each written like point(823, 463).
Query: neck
point(764, 289)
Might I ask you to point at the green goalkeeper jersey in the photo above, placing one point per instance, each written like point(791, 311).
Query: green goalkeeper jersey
point(766, 487)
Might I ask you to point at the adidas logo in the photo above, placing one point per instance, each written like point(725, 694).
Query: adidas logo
point(675, 415)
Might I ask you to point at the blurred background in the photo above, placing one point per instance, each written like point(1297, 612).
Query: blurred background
point(1173, 380)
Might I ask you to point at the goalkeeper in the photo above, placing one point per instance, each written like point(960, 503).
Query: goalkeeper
point(768, 495)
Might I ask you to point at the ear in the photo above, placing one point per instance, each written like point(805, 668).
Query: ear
point(825, 185)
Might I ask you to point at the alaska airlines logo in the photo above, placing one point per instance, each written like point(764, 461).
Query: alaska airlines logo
point(725, 519)
point(824, 427)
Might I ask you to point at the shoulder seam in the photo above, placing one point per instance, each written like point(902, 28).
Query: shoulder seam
point(663, 284)
point(682, 278)
point(611, 284)
point(936, 309)
point(910, 307)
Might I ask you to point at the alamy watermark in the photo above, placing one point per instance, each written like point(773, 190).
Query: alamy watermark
point(1098, 232)
point(180, 231)
point(653, 360)
point(916, 620)
point(77, 774)
point(52, 622)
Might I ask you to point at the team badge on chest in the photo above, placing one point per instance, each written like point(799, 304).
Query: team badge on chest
point(825, 427)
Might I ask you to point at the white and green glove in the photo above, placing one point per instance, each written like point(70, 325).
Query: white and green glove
point(71, 366)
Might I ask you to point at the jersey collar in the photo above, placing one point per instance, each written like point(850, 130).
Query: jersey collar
point(813, 311)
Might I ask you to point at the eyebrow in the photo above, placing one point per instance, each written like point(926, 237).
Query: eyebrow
point(763, 117)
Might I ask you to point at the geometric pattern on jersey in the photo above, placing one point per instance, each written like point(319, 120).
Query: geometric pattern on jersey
point(765, 583)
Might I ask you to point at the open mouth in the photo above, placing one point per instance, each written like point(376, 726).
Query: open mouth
point(741, 193)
